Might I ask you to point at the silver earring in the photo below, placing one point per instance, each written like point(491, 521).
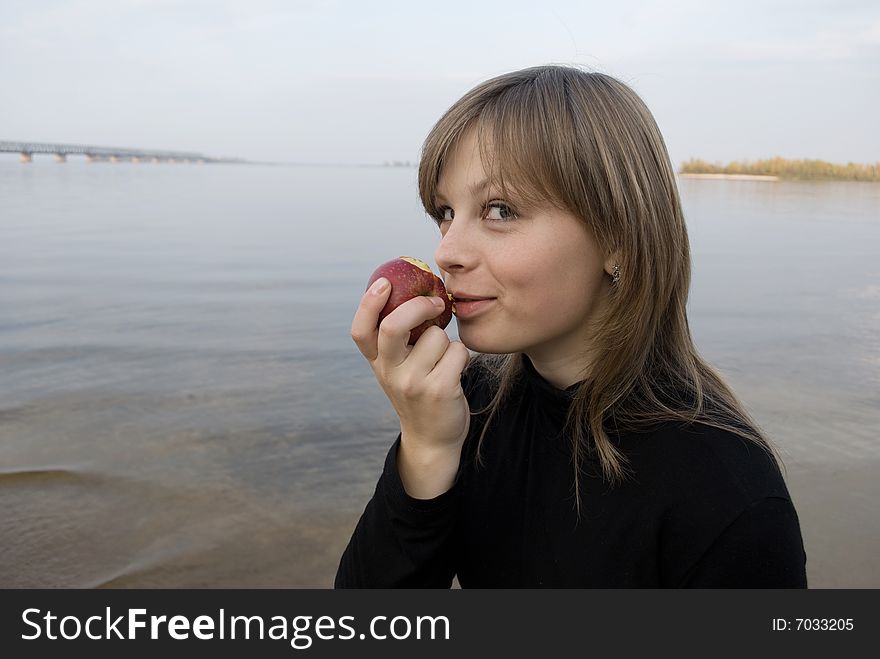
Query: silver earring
point(615, 273)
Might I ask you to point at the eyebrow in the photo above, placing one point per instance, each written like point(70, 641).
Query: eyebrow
point(475, 189)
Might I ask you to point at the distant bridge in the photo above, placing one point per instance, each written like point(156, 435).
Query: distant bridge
point(26, 150)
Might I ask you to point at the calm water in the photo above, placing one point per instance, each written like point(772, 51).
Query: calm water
point(181, 404)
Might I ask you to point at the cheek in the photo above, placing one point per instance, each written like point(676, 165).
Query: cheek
point(555, 300)
point(558, 288)
point(544, 295)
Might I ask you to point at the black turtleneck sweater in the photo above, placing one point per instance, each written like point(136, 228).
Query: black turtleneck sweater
point(705, 509)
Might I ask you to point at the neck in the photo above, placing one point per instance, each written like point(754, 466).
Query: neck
point(561, 371)
point(568, 361)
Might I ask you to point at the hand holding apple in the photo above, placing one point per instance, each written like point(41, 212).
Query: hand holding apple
point(410, 278)
point(422, 380)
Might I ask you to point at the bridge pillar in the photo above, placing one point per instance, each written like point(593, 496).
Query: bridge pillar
point(60, 157)
point(25, 157)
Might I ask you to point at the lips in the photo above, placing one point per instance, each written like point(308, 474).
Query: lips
point(467, 305)
point(459, 296)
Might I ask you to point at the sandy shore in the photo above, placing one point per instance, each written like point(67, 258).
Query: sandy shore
point(836, 506)
point(282, 548)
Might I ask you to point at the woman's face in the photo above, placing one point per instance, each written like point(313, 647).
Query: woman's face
point(540, 267)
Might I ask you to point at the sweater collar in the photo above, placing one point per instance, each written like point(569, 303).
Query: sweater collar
point(543, 388)
point(553, 404)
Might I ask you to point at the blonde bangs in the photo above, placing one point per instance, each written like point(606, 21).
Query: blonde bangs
point(522, 149)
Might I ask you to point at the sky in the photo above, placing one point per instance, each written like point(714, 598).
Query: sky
point(363, 82)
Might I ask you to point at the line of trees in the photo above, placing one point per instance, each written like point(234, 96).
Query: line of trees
point(812, 170)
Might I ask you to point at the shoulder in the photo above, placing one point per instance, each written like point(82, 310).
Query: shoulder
point(761, 548)
point(717, 490)
point(699, 459)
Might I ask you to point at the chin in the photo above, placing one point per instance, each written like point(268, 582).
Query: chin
point(490, 345)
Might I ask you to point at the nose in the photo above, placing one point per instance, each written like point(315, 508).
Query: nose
point(457, 251)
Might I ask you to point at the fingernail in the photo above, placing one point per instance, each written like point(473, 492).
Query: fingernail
point(379, 286)
point(437, 302)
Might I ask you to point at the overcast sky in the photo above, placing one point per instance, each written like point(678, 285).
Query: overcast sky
point(359, 82)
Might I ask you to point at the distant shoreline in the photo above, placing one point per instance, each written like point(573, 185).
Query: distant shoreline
point(733, 177)
point(777, 169)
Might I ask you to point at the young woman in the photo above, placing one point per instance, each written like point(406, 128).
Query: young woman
point(586, 443)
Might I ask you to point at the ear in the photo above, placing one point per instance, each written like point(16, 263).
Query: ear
point(612, 260)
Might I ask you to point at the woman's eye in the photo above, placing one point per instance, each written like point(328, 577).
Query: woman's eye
point(497, 210)
point(444, 214)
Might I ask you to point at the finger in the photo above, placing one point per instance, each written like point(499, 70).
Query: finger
point(395, 327)
point(428, 350)
point(451, 365)
point(364, 326)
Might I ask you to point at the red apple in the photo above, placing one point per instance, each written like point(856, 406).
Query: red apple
point(409, 278)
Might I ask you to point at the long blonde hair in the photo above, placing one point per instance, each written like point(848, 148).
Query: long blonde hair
point(586, 143)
